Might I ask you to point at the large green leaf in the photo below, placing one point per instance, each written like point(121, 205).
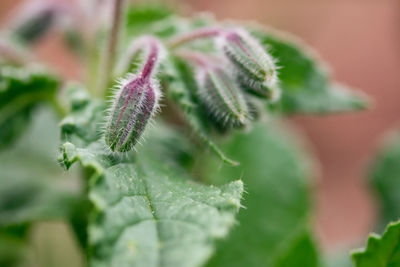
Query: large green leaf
point(381, 251)
point(305, 82)
point(385, 179)
point(274, 227)
point(20, 90)
point(148, 212)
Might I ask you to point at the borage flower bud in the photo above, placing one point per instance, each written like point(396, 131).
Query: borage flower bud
point(260, 89)
point(222, 97)
point(34, 20)
point(249, 57)
point(135, 103)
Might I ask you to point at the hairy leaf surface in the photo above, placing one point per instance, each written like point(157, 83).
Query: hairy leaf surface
point(148, 212)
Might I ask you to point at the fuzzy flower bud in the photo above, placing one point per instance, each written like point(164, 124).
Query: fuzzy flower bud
point(36, 19)
point(271, 92)
point(135, 103)
point(222, 97)
point(249, 57)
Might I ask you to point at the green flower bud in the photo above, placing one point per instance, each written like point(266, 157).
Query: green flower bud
point(222, 97)
point(248, 57)
point(271, 92)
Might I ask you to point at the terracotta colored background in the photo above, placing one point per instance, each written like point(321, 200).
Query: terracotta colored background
point(361, 41)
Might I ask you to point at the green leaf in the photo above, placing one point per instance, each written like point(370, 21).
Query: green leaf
point(148, 212)
point(381, 251)
point(33, 188)
point(305, 82)
point(274, 227)
point(21, 89)
point(143, 19)
point(385, 179)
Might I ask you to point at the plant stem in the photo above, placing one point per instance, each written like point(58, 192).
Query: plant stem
point(111, 47)
point(199, 59)
point(58, 107)
point(195, 35)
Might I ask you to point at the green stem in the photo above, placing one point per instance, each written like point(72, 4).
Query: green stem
point(58, 107)
point(110, 48)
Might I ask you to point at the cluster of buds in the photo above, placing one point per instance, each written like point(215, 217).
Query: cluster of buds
point(135, 101)
point(223, 79)
point(217, 91)
point(245, 67)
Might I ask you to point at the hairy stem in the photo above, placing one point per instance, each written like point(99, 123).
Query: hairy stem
point(200, 59)
point(111, 47)
point(195, 35)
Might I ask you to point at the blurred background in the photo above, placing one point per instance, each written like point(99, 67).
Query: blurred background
point(360, 39)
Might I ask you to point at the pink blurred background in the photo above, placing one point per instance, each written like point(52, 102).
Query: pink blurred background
point(360, 39)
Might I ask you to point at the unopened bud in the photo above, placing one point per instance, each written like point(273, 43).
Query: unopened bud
point(271, 92)
point(222, 96)
point(35, 20)
point(249, 57)
point(134, 104)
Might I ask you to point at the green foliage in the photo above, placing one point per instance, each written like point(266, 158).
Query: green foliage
point(385, 179)
point(146, 213)
point(273, 229)
point(381, 251)
point(305, 82)
point(33, 188)
point(168, 203)
point(21, 89)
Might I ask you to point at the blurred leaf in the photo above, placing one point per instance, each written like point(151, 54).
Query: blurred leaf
point(385, 179)
point(305, 82)
point(20, 90)
point(140, 18)
point(381, 251)
point(274, 226)
point(33, 188)
point(147, 210)
point(13, 245)
point(338, 258)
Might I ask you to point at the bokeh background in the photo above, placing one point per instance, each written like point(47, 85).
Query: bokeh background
point(360, 39)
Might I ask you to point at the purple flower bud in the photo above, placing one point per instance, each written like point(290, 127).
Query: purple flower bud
point(134, 104)
point(249, 58)
point(133, 107)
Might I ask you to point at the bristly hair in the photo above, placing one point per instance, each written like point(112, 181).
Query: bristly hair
point(135, 100)
point(248, 56)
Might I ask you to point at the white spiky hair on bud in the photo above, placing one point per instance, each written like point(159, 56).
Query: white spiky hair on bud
point(250, 53)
